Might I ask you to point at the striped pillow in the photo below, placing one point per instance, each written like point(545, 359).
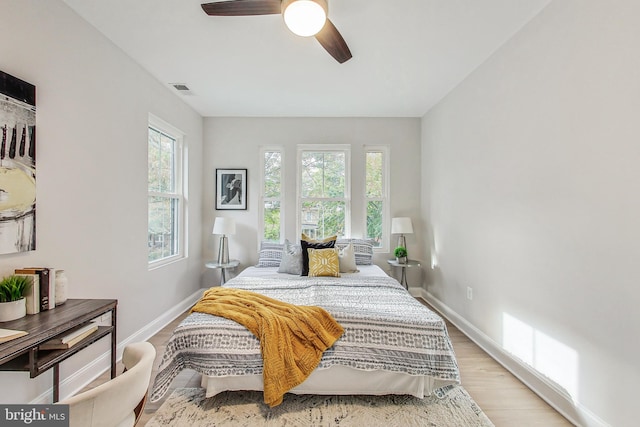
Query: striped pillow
point(270, 254)
point(363, 249)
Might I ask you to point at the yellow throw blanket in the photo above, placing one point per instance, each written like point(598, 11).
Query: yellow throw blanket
point(292, 338)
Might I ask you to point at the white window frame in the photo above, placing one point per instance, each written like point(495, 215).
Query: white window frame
point(346, 149)
point(179, 192)
point(386, 209)
point(263, 198)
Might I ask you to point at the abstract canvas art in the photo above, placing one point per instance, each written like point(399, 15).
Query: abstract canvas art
point(17, 165)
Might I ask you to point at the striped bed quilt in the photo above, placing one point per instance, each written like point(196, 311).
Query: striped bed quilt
point(385, 329)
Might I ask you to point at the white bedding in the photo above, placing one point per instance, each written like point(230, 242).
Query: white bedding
point(335, 380)
point(392, 343)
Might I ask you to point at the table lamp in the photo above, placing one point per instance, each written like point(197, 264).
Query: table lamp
point(224, 226)
point(401, 226)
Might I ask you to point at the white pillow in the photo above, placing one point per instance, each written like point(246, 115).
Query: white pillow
point(347, 259)
point(363, 248)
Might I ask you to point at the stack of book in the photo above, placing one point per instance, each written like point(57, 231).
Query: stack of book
point(70, 339)
point(41, 296)
point(10, 334)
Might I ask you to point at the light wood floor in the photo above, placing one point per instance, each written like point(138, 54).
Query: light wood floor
point(502, 397)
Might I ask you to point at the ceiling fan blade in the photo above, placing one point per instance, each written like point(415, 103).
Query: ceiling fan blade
point(242, 7)
point(330, 39)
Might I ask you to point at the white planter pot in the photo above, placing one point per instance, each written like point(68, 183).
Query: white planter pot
point(12, 310)
point(61, 287)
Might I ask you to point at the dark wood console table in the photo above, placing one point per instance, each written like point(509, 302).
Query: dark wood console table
point(23, 354)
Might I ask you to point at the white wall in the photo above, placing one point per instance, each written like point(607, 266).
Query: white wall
point(235, 143)
point(530, 185)
point(92, 113)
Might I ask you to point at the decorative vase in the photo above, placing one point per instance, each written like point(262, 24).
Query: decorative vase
point(13, 310)
point(61, 287)
point(401, 260)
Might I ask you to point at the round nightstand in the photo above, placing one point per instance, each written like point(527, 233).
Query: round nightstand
point(408, 264)
point(233, 263)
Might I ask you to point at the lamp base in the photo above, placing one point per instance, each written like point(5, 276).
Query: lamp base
point(402, 241)
point(223, 251)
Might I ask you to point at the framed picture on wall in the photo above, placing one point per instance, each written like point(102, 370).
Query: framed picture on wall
point(231, 189)
point(17, 165)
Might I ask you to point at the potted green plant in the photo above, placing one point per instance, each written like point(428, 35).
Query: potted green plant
point(13, 290)
point(401, 254)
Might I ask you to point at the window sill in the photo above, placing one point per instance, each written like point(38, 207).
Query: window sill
point(166, 261)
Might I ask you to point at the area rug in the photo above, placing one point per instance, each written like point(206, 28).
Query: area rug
point(189, 407)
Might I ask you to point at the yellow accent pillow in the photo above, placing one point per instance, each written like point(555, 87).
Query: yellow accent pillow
point(323, 262)
point(309, 239)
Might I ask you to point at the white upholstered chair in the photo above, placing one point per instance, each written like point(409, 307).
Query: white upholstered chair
point(114, 403)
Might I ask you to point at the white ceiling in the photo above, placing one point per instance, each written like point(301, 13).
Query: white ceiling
point(407, 54)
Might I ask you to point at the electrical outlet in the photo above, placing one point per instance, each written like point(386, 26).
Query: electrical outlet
point(469, 293)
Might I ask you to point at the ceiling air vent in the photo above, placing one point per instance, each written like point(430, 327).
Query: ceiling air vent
point(180, 86)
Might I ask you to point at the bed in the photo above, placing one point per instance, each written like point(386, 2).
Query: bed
point(392, 343)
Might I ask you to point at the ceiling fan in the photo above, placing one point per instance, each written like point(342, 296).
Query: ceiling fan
point(303, 17)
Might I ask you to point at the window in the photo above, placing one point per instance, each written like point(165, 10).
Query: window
point(324, 205)
point(166, 201)
point(376, 195)
point(271, 194)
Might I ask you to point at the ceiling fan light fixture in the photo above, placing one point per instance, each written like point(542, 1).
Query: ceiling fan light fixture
point(305, 17)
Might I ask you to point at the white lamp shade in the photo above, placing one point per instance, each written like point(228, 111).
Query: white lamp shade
point(224, 226)
point(305, 17)
point(401, 225)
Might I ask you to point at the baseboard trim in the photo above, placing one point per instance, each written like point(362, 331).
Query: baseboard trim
point(84, 376)
point(559, 400)
point(549, 392)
